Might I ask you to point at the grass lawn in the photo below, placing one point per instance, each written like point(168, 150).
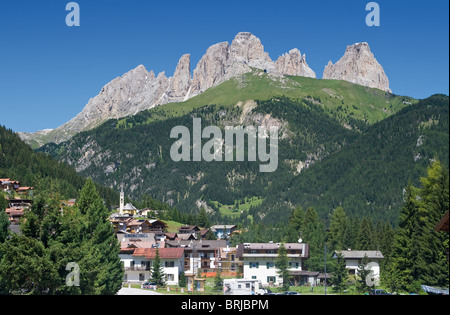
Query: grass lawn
point(244, 205)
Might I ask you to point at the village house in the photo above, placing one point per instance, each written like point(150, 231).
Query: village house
point(138, 263)
point(201, 254)
point(223, 231)
point(259, 260)
point(228, 260)
point(353, 259)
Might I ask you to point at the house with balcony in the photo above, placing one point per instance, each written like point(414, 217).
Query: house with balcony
point(138, 262)
point(223, 231)
point(259, 260)
point(201, 254)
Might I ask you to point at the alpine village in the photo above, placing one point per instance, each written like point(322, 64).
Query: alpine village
point(359, 203)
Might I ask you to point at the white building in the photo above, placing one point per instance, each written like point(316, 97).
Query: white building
point(353, 259)
point(259, 260)
point(138, 263)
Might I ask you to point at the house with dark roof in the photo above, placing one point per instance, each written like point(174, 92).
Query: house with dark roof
point(259, 260)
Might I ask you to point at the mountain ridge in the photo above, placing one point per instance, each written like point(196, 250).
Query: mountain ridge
point(139, 89)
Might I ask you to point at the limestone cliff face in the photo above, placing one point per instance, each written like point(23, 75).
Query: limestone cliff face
point(358, 65)
point(139, 89)
point(293, 63)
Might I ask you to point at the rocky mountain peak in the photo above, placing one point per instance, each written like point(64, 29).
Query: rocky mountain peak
point(358, 65)
point(293, 63)
point(247, 48)
point(139, 90)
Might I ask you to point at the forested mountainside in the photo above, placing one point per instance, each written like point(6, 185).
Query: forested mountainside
point(20, 163)
point(339, 144)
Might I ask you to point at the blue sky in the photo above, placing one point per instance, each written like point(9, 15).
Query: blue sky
point(49, 71)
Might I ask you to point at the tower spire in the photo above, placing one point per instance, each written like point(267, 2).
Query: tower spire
point(122, 199)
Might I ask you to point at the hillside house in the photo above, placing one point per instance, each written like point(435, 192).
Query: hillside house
point(353, 259)
point(259, 260)
point(223, 231)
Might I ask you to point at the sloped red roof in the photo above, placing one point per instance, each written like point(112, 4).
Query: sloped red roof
point(164, 253)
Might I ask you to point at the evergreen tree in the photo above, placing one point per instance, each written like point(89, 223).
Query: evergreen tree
point(4, 220)
point(182, 282)
point(218, 282)
point(338, 229)
point(418, 253)
point(296, 219)
point(282, 265)
point(366, 235)
point(363, 273)
point(157, 274)
point(434, 203)
point(340, 275)
point(202, 219)
point(313, 234)
point(100, 235)
point(405, 252)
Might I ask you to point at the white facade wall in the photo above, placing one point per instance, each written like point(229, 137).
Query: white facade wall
point(137, 273)
point(263, 268)
point(353, 264)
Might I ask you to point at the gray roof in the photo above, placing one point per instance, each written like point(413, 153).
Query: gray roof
point(129, 206)
point(359, 254)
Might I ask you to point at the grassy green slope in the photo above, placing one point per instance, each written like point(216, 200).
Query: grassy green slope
point(342, 100)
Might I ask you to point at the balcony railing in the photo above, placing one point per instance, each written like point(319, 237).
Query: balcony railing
point(137, 268)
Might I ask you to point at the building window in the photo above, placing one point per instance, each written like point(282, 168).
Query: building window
point(271, 279)
point(254, 277)
point(270, 265)
point(254, 265)
point(169, 264)
point(170, 277)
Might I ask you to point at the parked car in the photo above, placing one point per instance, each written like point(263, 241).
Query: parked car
point(150, 285)
point(378, 292)
point(290, 293)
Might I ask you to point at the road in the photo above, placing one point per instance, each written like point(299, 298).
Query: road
point(131, 291)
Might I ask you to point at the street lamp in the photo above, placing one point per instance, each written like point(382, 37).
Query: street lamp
point(325, 256)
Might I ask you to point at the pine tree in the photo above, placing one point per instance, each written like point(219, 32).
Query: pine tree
point(313, 234)
point(418, 253)
point(434, 203)
point(338, 229)
point(100, 236)
point(157, 274)
point(4, 220)
point(282, 265)
point(366, 235)
point(218, 282)
point(363, 273)
point(340, 274)
point(405, 252)
point(296, 219)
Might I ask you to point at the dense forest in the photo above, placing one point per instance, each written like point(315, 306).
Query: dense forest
point(19, 162)
point(362, 168)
